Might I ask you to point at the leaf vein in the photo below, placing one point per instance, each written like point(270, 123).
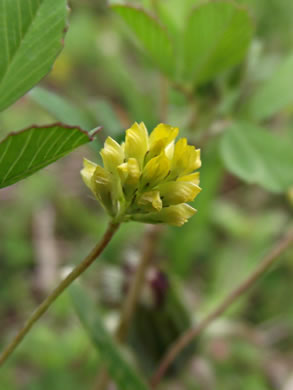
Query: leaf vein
point(19, 156)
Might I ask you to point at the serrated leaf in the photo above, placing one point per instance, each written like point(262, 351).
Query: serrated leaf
point(216, 37)
point(258, 156)
point(273, 95)
point(119, 370)
point(31, 33)
point(151, 35)
point(25, 152)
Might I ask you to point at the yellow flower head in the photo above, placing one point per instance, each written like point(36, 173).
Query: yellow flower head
point(149, 178)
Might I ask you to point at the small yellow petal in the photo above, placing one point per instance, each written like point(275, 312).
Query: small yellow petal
point(193, 177)
point(133, 171)
point(151, 201)
point(175, 192)
point(112, 155)
point(129, 175)
point(98, 180)
point(155, 171)
point(87, 172)
point(169, 150)
point(177, 215)
point(195, 160)
point(103, 188)
point(136, 142)
point(122, 170)
point(173, 215)
point(185, 159)
point(163, 131)
point(162, 136)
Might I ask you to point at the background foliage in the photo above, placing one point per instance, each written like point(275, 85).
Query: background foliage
point(222, 72)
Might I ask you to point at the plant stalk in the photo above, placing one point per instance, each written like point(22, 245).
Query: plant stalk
point(44, 306)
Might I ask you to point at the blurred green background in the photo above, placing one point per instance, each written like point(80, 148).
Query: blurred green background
point(49, 221)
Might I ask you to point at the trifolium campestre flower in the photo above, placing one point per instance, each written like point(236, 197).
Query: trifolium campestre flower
point(148, 178)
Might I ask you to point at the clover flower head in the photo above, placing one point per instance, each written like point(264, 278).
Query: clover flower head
point(148, 178)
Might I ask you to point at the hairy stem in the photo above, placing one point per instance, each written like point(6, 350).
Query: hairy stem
point(190, 334)
point(44, 306)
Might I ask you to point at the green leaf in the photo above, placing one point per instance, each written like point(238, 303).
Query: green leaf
point(274, 95)
point(258, 156)
point(31, 34)
point(97, 111)
point(65, 111)
point(61, 109)
point(216, 37)
point(120, 371)
point(151, 35)
point(25, 152)
point(173, 14)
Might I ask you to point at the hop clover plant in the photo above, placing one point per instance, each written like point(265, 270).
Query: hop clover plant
point(148, 178)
